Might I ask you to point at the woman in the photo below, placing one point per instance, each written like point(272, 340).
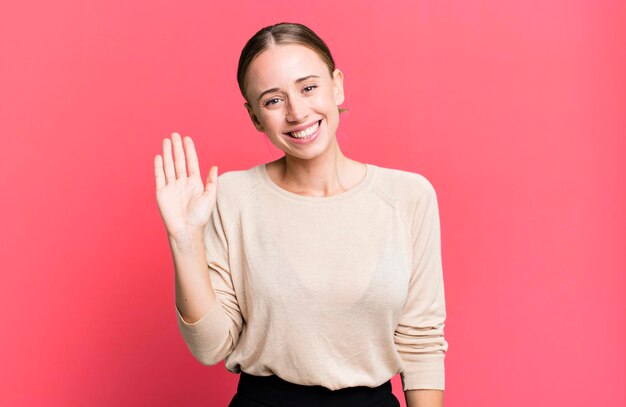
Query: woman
point(324, 273)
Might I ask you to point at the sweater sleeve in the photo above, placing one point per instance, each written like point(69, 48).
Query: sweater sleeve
point(215, 335)
point(419, 335)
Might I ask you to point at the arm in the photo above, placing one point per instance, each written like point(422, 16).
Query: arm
point(186, 205)
point(194, 292)
point(419, 335)
point(424, 398)
point(211, 327)
point(211, 322)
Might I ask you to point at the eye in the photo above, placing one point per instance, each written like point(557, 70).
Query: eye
point(271, 102)
point(309, 88)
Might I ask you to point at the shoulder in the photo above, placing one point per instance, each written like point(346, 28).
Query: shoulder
point(234, 186)
point(404, 188)
point(410, 193)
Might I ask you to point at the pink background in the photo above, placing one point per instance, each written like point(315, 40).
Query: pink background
point(515, 111)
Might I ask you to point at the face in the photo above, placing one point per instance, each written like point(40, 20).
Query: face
point(293, 99)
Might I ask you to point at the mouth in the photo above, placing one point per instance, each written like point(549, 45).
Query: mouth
point(306, 133)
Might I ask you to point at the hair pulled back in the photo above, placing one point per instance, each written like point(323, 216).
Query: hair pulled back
point(280, 34)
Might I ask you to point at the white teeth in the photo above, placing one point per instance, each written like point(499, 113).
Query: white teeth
point(305, 133)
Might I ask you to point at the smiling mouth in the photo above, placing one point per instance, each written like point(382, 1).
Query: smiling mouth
point(307, 132)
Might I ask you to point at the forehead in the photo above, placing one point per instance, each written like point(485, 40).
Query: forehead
point(281, 65)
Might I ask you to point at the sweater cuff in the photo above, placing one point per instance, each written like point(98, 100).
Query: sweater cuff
point(210, 314)
point(208, 338)
point(428, 372)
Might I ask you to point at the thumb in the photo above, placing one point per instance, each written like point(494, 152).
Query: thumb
point(211, 178)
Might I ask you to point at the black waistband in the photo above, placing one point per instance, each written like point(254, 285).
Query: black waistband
point(278, 392)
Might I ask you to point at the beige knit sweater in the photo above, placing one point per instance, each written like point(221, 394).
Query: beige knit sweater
point(336, 291)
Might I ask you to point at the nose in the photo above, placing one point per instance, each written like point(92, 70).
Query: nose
point(296, 109)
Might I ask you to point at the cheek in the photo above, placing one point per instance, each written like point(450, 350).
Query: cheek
point(325, 99)
point(271, 118)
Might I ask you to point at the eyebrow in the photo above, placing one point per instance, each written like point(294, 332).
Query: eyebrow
point(304, 78)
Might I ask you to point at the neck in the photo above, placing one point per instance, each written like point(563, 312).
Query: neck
point(322, 176)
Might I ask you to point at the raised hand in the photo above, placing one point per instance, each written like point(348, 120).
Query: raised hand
point(184, 201)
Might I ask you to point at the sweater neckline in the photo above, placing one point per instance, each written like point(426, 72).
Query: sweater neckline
point(261, 170)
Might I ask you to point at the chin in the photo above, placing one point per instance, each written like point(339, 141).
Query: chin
point(312, 153)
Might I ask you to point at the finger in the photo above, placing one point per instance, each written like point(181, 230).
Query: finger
point(159, 175)
point(211, 178)
point(168, 164)
point(192, 157)
point(179, 156)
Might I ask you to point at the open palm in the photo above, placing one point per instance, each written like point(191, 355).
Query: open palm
point(184, 201)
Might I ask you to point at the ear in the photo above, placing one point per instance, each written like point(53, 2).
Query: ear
point(255, 120)
point(338, 86)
